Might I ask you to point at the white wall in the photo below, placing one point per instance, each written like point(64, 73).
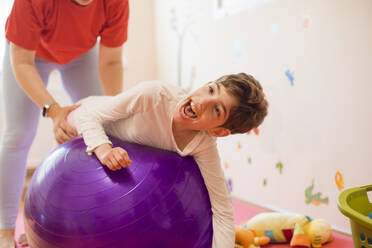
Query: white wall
point(139, 57)
point(315, 127)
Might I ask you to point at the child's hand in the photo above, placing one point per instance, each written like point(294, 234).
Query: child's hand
point(114, 158)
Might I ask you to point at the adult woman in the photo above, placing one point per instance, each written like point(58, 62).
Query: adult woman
point(44, 35)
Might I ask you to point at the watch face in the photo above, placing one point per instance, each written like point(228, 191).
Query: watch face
point(46, 108)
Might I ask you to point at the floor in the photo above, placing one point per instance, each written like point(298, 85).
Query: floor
point(242, 212)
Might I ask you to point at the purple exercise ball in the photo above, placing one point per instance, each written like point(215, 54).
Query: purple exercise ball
point(159, 201)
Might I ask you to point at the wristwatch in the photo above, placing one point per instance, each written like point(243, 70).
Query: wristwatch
point(46, 107)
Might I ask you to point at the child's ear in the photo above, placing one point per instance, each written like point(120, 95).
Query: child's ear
point(219, 132)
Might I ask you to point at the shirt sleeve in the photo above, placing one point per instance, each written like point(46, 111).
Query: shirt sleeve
point(223, 219)
point(24, 24)
point(95, 111)
point(115, 31)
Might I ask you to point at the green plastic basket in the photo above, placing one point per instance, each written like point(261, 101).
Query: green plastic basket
point(354, 204)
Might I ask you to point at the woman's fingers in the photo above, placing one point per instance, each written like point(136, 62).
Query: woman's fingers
point(61, 136)
point(60, 122)
point(73, 107)
point(69, 130)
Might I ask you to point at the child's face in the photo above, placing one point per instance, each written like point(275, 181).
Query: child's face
point(207, 109)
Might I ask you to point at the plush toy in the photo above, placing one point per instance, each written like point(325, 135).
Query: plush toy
point(248, 238)
point(298, 230)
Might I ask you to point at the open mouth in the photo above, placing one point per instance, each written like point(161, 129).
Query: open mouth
point(188, 110)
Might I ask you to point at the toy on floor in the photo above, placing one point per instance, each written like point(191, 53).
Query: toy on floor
point(298, 230)
point(246, 238)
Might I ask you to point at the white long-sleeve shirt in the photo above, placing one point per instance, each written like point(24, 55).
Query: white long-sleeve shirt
point(143, 115)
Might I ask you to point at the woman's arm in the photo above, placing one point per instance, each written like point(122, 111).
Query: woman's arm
point(113, 36)
point(111, 69)
point(223, 220)
point(23, 64)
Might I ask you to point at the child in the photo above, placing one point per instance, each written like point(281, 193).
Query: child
point(162, 116)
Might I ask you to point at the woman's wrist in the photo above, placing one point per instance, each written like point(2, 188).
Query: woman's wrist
point(53, 111)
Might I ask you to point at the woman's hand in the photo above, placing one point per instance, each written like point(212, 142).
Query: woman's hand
point(63, 131)
point(114, 158)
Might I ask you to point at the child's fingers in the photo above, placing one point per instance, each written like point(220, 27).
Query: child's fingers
point(107, 161)
point(116, 159)
point(127, 159)
point(122, 157)
point(114, 162)
point(111, 165)
point(125, 155)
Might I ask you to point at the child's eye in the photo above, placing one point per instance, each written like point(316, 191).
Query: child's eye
point(217, 111)
point(211, 90)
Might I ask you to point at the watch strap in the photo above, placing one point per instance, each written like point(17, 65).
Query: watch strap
point(46, 107)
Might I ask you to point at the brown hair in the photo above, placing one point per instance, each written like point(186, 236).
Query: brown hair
point(252, 105)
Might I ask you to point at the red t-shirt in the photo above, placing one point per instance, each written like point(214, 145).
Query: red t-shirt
point(60, 30)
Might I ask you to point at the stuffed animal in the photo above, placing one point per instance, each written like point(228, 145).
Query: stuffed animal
point(298, 230)
point(248, 239)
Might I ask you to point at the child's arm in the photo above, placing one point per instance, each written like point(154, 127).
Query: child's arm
point(223, 219)
point(95, 111)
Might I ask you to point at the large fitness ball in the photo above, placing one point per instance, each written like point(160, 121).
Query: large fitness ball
point(159, 201)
